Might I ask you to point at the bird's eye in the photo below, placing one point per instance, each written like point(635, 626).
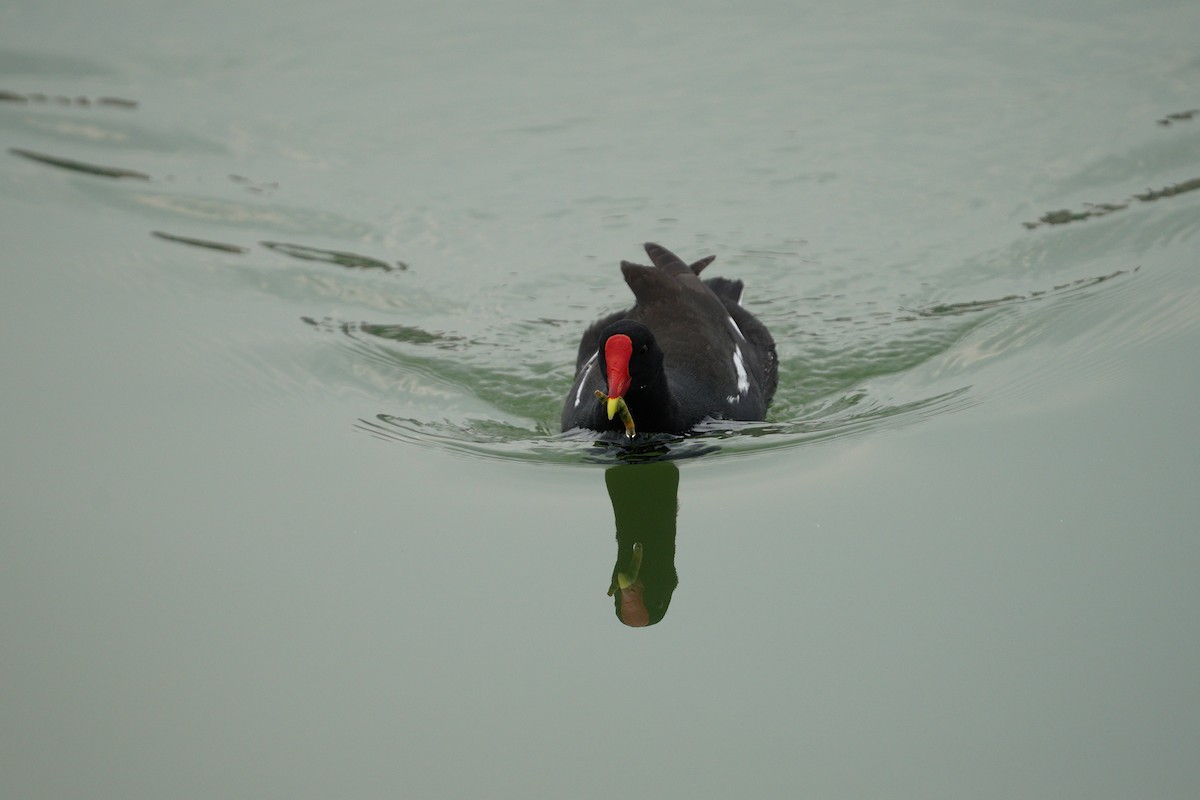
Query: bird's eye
point(645, 348)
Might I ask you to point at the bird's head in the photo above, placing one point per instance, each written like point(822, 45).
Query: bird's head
point(630, 359)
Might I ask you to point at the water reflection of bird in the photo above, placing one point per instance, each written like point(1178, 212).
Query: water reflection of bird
point(645, 500)
point(684, 352)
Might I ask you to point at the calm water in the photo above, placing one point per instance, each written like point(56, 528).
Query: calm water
point(290, 301)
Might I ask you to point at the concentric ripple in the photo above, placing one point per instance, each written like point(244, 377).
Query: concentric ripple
point(877, 371)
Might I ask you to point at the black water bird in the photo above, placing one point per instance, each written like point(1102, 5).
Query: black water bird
point(685, 352)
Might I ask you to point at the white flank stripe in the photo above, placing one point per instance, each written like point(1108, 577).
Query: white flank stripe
point(736, 329)
point(583, 376)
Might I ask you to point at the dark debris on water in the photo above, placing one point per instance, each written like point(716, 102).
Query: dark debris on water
point(63, 100)
point(1090, 210)
point(1063, 216)
point(1179, 116)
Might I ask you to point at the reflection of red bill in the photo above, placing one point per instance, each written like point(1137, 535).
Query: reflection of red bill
point(629, 589)
point(633, 606)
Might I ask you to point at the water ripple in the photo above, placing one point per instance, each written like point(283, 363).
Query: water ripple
point(75, 165)
point(878, 371)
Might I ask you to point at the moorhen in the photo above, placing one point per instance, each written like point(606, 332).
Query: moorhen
point(687, 351)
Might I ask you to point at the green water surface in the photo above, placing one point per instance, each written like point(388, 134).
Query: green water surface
point(291, 295)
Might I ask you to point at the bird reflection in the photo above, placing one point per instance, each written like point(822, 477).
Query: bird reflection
point(645, 502)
